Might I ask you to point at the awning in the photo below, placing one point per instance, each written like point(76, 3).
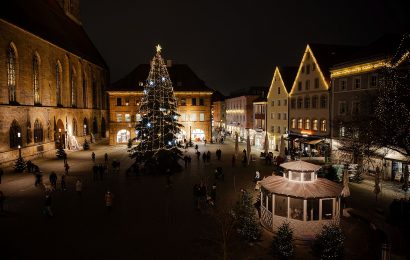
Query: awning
point(315, 141)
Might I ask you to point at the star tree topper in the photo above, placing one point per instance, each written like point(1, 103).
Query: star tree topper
point(159, 48)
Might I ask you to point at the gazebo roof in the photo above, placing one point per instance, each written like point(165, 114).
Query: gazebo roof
point(320, 188)
point(300, 166)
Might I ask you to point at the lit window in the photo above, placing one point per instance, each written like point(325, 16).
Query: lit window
point(307, 124)
point(323, 126)
point(293, 123)
point(138, 117)
point(183, 101)
point(201, 117)
point(119, 117)
point(342, 131)
point(127, 118)
point(315, 125)
point(192, 117)
point(272, 115)
point(183, 117)
point(300, 123)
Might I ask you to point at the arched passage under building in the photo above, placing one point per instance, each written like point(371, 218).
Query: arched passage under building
point(123, 136)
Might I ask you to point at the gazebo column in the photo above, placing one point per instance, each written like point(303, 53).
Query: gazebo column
point(273, 208)
point(304, 210)
point(320, 209)
point(334, 208)
point(288, 207)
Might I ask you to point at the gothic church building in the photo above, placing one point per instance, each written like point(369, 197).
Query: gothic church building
point(52, 79)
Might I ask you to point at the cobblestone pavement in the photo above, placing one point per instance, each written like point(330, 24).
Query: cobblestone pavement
point(148, 219)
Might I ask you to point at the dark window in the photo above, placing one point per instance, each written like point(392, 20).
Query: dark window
point(357, 83)
point(38, 132)
point(307, 84)
point(201, 101)
point(15, 134)
point(308, 69)
point(314, 102)
point(193, 102)
point(94, 93)
point(279, 91)
point(316, 82)
point(323, 102)
point(58, 84)
point(281, 205)
point(73, 85)
point(300, 103)
point(292, 103)
point(119, 102)
point(307, 102)
point(103, 128)
point(313, 67)
point(355, 107)
point(11, 73)
point(36, 79)
point(303, 69)
point(312, 209)
point(95, 126)
point(373, 81)
point(84, 90)
point(300, 85)
point(343, 84)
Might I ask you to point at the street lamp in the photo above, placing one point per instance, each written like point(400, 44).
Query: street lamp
point(19, 141)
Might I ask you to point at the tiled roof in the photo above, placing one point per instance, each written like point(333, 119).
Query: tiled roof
point(260, 99)
point(382, 48)
point(47, 20)
point(182, 77)
point(320, 188)
point(217, 96)
point(328, 55)
point(288, 74)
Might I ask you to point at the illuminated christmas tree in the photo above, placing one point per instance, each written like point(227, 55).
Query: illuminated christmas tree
point(157, 118)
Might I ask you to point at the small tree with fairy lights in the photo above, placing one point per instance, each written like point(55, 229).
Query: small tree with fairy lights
point(329, 243)
point(157, 124)
point(282, 244)
point(245, 218)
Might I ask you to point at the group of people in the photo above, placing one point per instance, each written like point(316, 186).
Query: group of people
point(187, 160)
point(203, 197)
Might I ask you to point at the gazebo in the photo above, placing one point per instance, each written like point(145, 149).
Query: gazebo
point(299, 198)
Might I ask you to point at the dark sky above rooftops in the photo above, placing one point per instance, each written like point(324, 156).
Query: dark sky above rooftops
point(233, 44)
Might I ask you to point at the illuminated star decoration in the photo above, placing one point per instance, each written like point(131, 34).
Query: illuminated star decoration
point(159, 48)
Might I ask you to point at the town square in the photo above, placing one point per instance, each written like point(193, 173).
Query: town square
point(144, 131)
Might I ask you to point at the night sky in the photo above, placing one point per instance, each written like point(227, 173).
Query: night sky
point(231, 45)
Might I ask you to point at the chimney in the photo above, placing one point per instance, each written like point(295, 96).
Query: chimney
point(169, 63)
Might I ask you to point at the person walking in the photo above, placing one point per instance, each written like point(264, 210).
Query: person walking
point(257, 176)
point(198, 154)
point(109, 200)
point(204, 157)
point(93, 156)
point(53, 180)
point(2, 198)
point(66, 168)
point(79, 187)
point(47, 205)
point(38, 177)
point(65, 158)
point(1, 174)
point(196, 147)
point(63, 183)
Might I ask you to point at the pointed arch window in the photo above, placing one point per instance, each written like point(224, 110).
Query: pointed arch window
point(11, 73)
point(95, 104)
point(84, 90)
point(36, 80)
point(38, 132)
point(15, 134)
point(58, 84)
point(73, 94)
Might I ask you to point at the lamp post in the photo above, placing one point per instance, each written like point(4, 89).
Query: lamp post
point(19, 141)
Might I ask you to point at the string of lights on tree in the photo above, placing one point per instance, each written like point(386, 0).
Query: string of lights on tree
point(157, 125)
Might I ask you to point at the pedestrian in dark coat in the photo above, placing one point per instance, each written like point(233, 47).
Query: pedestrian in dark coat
point(204, 157)
point(198, 154)
point(106, 158)
point(93, 156)
point(63, 183)
point(53, 180)
point(47, 205)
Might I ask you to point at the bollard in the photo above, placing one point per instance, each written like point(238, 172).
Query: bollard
point(385, 251)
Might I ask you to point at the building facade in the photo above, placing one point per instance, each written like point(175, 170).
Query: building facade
point(239, 114)
point(52, 81)
point(193, 97)
point(355, 88)
point(309, 111)
point(218, 115)
point(278, 105)
point(259, 122)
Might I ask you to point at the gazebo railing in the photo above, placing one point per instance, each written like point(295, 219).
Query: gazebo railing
point(266, 218)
